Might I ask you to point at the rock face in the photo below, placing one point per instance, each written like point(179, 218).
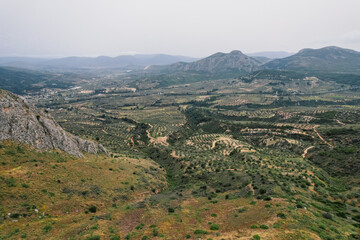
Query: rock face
point(22, 122)
point(220, 62)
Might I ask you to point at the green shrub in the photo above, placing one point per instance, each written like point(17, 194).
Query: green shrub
point(15, 215)
point(115, 238)
point(263, 226)
point(256, 237)
point(95, 227)
point(47, 228)
point(356, 218)
point(341, 214)
point(281, 215)
point(92, 209)
point(276, 225)
point(267, 198)
point(198, 231)
point(96, 237)
point(140, 226)
point(214, 227)
point(241, 210)
point(155, 232)
point(327, 215)
point(254, 226)
point(10, 182)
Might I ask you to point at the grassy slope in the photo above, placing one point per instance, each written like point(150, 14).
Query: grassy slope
point(54, 190)
point(62, 188)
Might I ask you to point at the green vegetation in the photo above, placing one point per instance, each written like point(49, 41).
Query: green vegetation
point(214, 227)
point(272, 154)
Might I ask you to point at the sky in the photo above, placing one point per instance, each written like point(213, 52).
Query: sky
point(197, 28)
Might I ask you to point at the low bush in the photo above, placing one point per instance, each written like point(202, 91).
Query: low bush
point(214, 227)
point(198, 231)
point(263, 226)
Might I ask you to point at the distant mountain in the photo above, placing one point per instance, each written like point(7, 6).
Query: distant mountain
point(234, 61)
point(89, 62)
point(271, 54)
point(5, 60)
point(328, 59)
point(21, 122)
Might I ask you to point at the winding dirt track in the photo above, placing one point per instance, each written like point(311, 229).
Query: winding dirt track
point(306, 151)
point(158, 140)
point(321, 138)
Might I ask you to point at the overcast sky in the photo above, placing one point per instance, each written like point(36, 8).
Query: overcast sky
point(183, 27)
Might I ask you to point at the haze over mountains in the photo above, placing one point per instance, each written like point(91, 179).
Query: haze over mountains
point(91, 62)
point(332, 59)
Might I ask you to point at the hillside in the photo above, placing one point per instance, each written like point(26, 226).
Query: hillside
point(54, 195)
point(327, 59)
point(20, 81)
point(20, 121)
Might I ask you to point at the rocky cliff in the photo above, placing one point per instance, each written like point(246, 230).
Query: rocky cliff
point(22, 122)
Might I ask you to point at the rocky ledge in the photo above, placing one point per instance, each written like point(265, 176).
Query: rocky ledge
point(22, 122)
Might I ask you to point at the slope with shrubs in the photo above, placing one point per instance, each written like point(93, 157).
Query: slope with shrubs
point(53, 195)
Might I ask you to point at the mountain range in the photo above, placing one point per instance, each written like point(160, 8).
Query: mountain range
point(327, 59)
point(100, 62)
point(37, 74)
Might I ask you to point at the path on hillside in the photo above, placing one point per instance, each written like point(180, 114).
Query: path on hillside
point(306, 151)
point(321, 138)
point(339, 122)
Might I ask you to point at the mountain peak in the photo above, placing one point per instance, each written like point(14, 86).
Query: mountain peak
point(329, 59)
point(221, 62)
point(236, 52)
point(328, 49)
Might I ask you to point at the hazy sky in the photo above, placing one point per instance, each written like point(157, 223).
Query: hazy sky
point(183, 27)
